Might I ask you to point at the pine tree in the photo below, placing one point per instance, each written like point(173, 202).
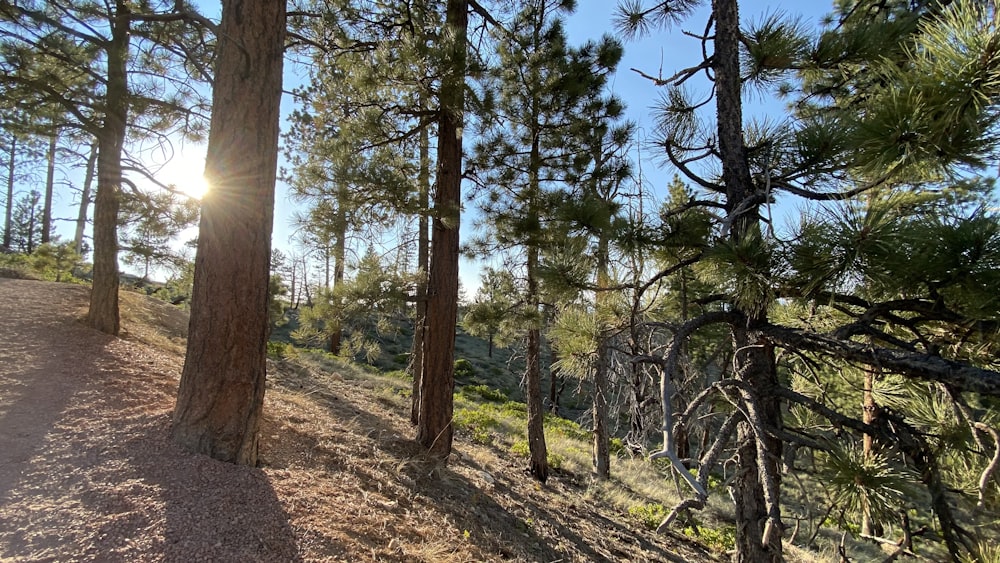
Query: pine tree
point(221, 392)
point(528, 149)
point(79, 57)
point(895, 96)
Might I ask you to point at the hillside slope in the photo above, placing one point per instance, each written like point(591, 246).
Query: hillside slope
point(87, 471)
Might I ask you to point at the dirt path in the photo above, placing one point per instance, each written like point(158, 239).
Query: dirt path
point(86, 470)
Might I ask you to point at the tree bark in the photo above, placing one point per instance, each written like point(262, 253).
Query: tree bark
point(437, 382)
point(50, 184)
point(221, 393)
point(602, 366)
point(339, 256)
point(423, 260)
point(758, 518)
point(533, 381)
point(103, 312)
point(8, 213)
point(88, 181)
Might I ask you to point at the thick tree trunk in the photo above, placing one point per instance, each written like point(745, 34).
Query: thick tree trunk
point(221, 392)
point(437, 382)
point(758, 518)
point(9, 212)
point(423, 261)
point(88, 182)
point(103, 313)
point(50, 186)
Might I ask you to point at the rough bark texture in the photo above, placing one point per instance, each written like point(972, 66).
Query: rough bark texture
point(437, 382)
point(50, 185)
point(423, 261)
point(758, 528)
point(103, 314)
point(88, 182)
point(222, 386)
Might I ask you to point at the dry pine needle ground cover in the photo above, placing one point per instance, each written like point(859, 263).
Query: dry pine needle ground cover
point(87, 472)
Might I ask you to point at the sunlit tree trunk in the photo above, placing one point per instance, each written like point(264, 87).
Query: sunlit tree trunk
point(103, 313)
point(437, 382)
point(221, 393)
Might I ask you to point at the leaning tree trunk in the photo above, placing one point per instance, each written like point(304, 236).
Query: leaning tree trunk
point(437, 381)
point(50, 185)
point(103, 313)
point(221, 393)
point(81, 217)
point(755, 489)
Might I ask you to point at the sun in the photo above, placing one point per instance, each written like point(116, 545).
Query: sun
point(186, 175)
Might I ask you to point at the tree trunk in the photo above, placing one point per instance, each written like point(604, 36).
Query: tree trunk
point(221, 393)
point(103, 313)
point(50, 184)
point(423, 259)
point(602, 367)
point(758, 517)
point(869, 415)
point(437, 381)
point(533, 380)
point(8, 213)
point(338, 254)
point(88, 181)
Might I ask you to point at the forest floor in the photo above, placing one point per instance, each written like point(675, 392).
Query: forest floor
point(88, 473)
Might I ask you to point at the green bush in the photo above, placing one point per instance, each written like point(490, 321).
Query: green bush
point(649, 515)
point(565, 427)
point(482, 392)
point(277, 350)
point(520, 448)
point(477, 422)
point(464, 369)
point(721, 540)
point(514, 408)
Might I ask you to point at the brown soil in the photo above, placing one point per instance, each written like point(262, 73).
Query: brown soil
point(87, 472)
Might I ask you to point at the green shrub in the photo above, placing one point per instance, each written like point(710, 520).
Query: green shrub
point(649, 515)
point(464, 369)
point(721, 540)
point(277, 350)
point(514, 408)
point(477, 422)
point(520, 448)
point(472, 392)
point(565, 427)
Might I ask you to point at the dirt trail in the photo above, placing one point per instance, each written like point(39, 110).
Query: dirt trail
point(86, 470)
